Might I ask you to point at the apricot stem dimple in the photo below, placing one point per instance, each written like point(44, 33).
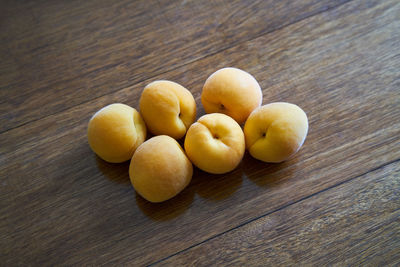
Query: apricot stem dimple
point(215, 136)
point(221, 107)
point(264, 134)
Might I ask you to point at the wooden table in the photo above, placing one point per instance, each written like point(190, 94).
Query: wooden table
point(336, 202)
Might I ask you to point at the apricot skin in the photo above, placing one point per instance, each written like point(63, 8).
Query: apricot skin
point(233, 92)
point(276, 131)
point(159, 169)
point(115, 131)
point(215, 143)
point(167, 108)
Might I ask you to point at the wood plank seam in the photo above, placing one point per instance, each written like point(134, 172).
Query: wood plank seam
point(274, 211)
point(187, 63)
point(313, 234)
point(58, 186)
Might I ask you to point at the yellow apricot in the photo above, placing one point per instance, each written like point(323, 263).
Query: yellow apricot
point(276, 131)
point(215, 143)
point(115, 131)
point(159, 169)
point(233, 92)
point(167, 108)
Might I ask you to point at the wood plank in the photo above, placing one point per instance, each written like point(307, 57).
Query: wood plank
point(57, 54)
point(355, 223)
point(61, 205)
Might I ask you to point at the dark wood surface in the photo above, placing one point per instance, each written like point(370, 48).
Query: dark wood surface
point(300, 232)
point(336, 202)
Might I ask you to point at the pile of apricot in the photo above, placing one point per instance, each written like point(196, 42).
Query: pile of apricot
point(215, 143)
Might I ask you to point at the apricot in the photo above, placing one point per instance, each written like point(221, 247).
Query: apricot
point(276, 131)
point(115, 131)
point(159, 169)
point(215, 143)
point(233, 92)
point(167, 108)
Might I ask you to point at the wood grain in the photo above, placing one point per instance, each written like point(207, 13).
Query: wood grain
point(57, 54)
point(60, 205)
point(355, 223)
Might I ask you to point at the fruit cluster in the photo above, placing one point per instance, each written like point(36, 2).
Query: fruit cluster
point(216, 143)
